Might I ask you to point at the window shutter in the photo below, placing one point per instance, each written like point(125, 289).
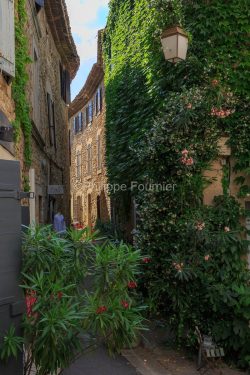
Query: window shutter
point(91, 111)
point(67, 88)
point(77, 123)
point(101, 99)
point(83, 119)
point(87, 114)
point(7, 37)
point(54, 125)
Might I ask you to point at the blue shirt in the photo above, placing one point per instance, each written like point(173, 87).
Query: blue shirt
point(59, 223)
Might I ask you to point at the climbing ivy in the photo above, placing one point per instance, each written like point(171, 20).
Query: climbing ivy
point(164, 122)
point(22, 121)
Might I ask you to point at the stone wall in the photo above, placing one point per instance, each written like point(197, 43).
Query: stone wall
point(90, 187)
point(51, 163)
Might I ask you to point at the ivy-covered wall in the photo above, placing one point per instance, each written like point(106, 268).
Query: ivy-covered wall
point(22, 122)
point(164, 123)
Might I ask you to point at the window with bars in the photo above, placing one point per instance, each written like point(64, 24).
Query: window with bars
point(51, 121)
point(89, 159)
point(78, 165)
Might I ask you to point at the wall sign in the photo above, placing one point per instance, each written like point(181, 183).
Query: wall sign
point(55, 189)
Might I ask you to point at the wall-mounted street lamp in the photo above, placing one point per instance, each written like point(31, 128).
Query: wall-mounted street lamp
point(174, 41)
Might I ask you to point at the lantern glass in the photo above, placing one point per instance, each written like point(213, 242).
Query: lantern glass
point(175, 44)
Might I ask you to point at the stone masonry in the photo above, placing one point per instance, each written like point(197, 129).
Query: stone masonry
point(89, 198)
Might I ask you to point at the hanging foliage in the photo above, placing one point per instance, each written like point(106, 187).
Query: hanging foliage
point(22, 110)
point(164, 123)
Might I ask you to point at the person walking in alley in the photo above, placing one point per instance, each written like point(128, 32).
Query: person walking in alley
point(59, 223)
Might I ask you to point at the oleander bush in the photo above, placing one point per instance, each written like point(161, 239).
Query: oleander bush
point(73, 287)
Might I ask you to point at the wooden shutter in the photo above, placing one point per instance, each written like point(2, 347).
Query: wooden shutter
point(7, 37)
point(97, 102)
point(51, 121)
point(84, 120)
point(67, 87)
point(91, 111)
point(87, 114)
point(54, 125)
point(101, 99)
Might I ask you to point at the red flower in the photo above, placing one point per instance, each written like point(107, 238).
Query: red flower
point(30, 302)
point(60, 295)
point(132, 285)
point(101, 310)
point(125, 304)
point(215, 82)
point(147, 260)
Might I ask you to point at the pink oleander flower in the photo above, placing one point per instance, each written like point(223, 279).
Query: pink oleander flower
point(146, 260)
point(125, 304)
point(200, 226)
point(132, 285)
point(185, 152)
point(227, 229)
point(101, 310)
point(189, 106)
point(189, 161)
point(221, 113)
point(207, 257)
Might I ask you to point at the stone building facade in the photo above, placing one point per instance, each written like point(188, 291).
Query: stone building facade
point(89, 197)
point(54, 63)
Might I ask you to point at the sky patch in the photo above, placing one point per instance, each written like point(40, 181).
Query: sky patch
point(86, 18)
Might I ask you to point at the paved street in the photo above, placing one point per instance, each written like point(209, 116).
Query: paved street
point(99, 362)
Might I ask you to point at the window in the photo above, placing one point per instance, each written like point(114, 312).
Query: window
point(36, 89)
point(51, 121)
point(89, 112)
point(98, 101)
point(78, 165)
point(89, 159)
point(7, 38)
point(65, 85)
point(99, 156)
point(79, 122)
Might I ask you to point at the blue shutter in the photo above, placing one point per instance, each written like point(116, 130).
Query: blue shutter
point(90, 111)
